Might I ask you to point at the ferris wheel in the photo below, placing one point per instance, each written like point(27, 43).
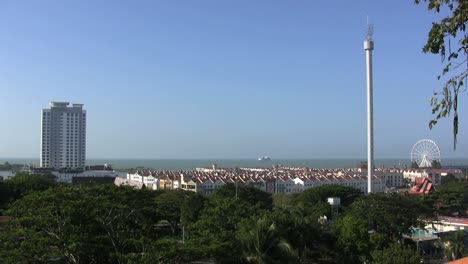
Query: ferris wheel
point(424, 152)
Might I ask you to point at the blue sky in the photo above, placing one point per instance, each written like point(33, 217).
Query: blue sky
point(221, 79)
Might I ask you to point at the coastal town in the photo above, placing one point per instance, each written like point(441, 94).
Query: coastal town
point(234, 132)
point(277, 179)
point(63, 156)
point(285, 179)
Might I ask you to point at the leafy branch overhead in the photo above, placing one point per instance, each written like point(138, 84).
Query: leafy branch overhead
point(448, 38)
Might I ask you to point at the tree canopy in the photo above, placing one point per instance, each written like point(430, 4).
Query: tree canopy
point(248, 194)
point(450, 198)
point(21, 185)
point(396, 253)
point(391, 214)
point(109, 224)
point(79, 225)
point(374, 222)
point(262, 242)
point(436, 164)
point(346, 194)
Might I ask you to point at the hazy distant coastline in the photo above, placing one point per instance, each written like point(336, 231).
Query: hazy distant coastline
point(186, 164)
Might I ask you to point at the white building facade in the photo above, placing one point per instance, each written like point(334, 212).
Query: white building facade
point(63, 136)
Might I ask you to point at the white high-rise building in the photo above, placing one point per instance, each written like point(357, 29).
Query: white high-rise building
point(63, 136)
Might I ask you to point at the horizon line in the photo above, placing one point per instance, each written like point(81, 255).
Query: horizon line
point(236, 158)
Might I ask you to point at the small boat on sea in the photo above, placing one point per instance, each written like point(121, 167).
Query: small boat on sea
point(264, 158)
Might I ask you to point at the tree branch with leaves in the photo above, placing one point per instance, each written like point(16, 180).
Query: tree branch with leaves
point(449, 39)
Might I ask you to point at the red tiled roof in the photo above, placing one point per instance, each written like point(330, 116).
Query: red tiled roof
point(423, 186)
point(459, 261)
point(455, 220)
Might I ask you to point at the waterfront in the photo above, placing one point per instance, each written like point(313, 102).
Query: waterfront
point(188, 164)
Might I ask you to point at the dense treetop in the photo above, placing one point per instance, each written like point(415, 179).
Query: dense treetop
point(108, 224)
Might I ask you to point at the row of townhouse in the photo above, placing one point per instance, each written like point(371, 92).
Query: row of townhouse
point(298, 185)
point(273, 181)
point(399, 177)
point(393, 177)
point(153, 181)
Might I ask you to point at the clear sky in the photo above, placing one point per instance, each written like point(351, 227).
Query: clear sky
point(221, 79)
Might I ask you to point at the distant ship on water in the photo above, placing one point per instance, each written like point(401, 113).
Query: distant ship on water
point(264, 158)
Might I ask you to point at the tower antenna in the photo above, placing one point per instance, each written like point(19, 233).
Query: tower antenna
point(370, 30)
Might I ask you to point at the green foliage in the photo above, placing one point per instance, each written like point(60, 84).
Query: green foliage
point(414, 165)
point(25, 183)
point(262, 243)
point(6, 195)
point(320, 194)
point(220, 217)
point(218, 223)
point(166, 250)
point(21, 185)
point(391, 214)
point(455, 245)
point(448, 179)
point(10, 167)
point(191, 208)
point(353, 239)
point(436, 164)
point(223, 217)
point(300, 227)
point(79, 225)
point(176, 207)
point(248, 194)
point(449, 198)
point(395, 253)
point(447, 38)
point(376, 221)
point(108, 224)
point(5, 166)
point(168, 206)
point(284, 201)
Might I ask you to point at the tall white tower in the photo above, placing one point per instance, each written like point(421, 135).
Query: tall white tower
point(369, 47)
point(63, 136)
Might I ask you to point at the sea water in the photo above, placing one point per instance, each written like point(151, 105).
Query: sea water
point(188, 164)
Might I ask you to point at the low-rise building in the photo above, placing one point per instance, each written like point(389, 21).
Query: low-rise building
point(447, 223)
point(187, 183)
point(127, 182)
point(393, 177)
point(275, 180)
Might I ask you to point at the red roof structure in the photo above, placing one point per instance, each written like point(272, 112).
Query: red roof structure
point(459, 261)
point(423, 186)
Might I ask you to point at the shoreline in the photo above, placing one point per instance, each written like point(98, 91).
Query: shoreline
point(188, 164)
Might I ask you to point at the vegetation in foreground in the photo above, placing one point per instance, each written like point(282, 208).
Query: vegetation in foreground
point(55, 223)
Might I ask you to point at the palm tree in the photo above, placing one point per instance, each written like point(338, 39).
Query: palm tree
point(262, 243)
point(455, 246)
